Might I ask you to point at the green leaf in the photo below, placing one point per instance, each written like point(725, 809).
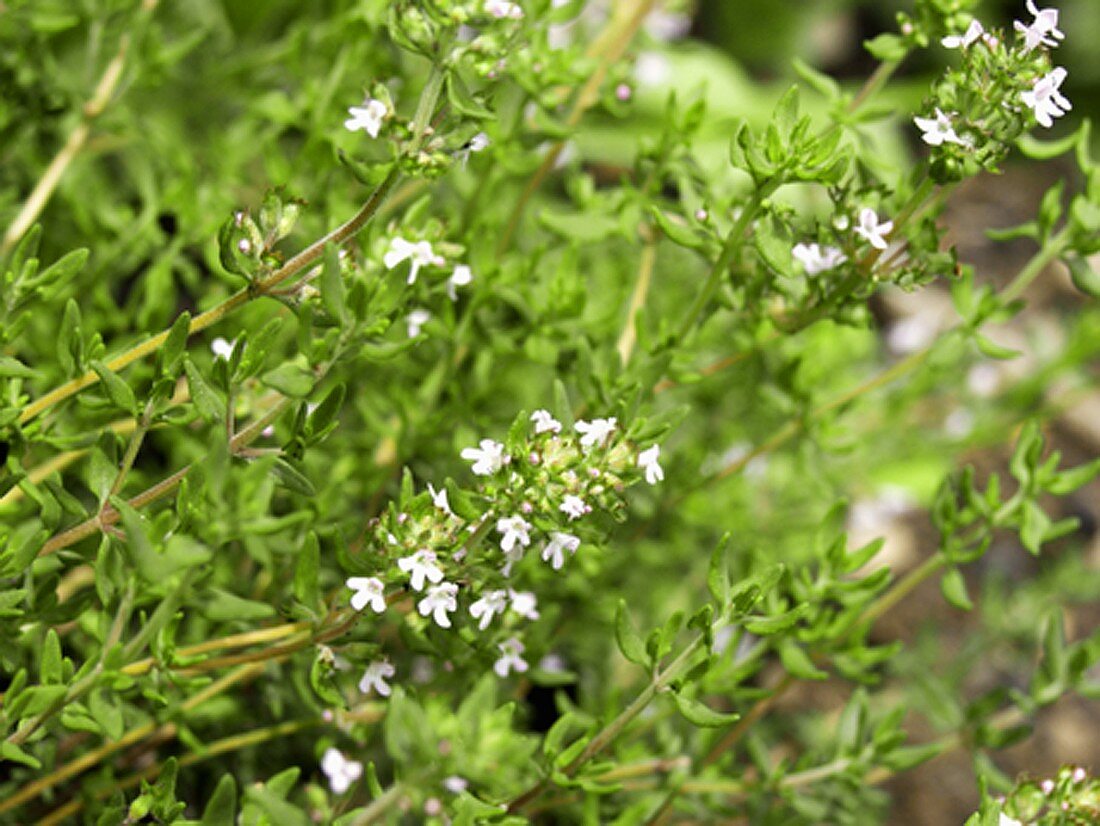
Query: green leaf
point(797, 662)
point(63, 269)
point(333, 292)
point(36, 699)
point(773, 625)
point(280, 812)
point(324, 416)
point(290, 379)
point(106, 711)
point(1034, 526)
point(221, 809)
point(678, 233)
point(368, 174)
point(887, 47)
point(287, 475)
point(222, 606)
point(176, 342)
point(1083, 276)
point(1071, 479)
point(464, 102)
point(49, 666)
point(701, 715)
point(208, 401)
point(1041, 150)
point(118, 391)
point(13, 368)
point(993, 350)
point(13, 753)
point(629, 641)
point(305, 571)
point(718, 574)
point(581, 227)
point(953, 586)
point(786, 112)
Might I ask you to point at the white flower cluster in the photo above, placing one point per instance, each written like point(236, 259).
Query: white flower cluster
point(1044, 97)
point(574, 471)
point(816, 259)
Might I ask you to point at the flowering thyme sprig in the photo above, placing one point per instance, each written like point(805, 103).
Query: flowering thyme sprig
point(464, 554)
point(1003, 86)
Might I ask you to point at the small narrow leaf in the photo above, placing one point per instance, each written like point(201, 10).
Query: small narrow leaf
point(630, 643)
point(221, 809)
point(207, 401)
point(701, 715)
point(333, 292)
point(954, 591)
point(117, 390)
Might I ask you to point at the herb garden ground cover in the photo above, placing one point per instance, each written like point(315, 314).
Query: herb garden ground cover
point(555, 411)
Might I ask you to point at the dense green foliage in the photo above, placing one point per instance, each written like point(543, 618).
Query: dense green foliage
point(455, 411)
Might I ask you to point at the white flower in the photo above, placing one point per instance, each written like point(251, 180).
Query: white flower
point(421, 254)
point(554, 550)
point(501, 9)
point(816, 259)
point(871, 230)
point(652, 69)
point(369, 590)
point(574, 507)
point(440, 600)
point(513, 529)
point(973, 32)
point(647, 460)
point(1045, 99)
point(595, 432)
point(439, 499)
point(1043, 29)
point(1005, 820)
point(475, 144)
point(525, 604)
point(510, 659)
point(375, 678)
point(340, 771)
point(221, 348)
point(459, 278)
point(367, 117)
point(420, 566)
point(487, 459)
point(416, 320)
point(455, 784)
point(545, 423)
point(665, 26)
point(938, 130)
point(487, 607)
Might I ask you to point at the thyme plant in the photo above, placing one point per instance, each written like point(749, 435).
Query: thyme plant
point(438, 411)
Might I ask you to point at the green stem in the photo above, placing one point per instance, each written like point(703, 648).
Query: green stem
point(1034, 268)
point(883, 72)
point(613, 729)
point(311, 254)
point(899, 591)
point(734, 240)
